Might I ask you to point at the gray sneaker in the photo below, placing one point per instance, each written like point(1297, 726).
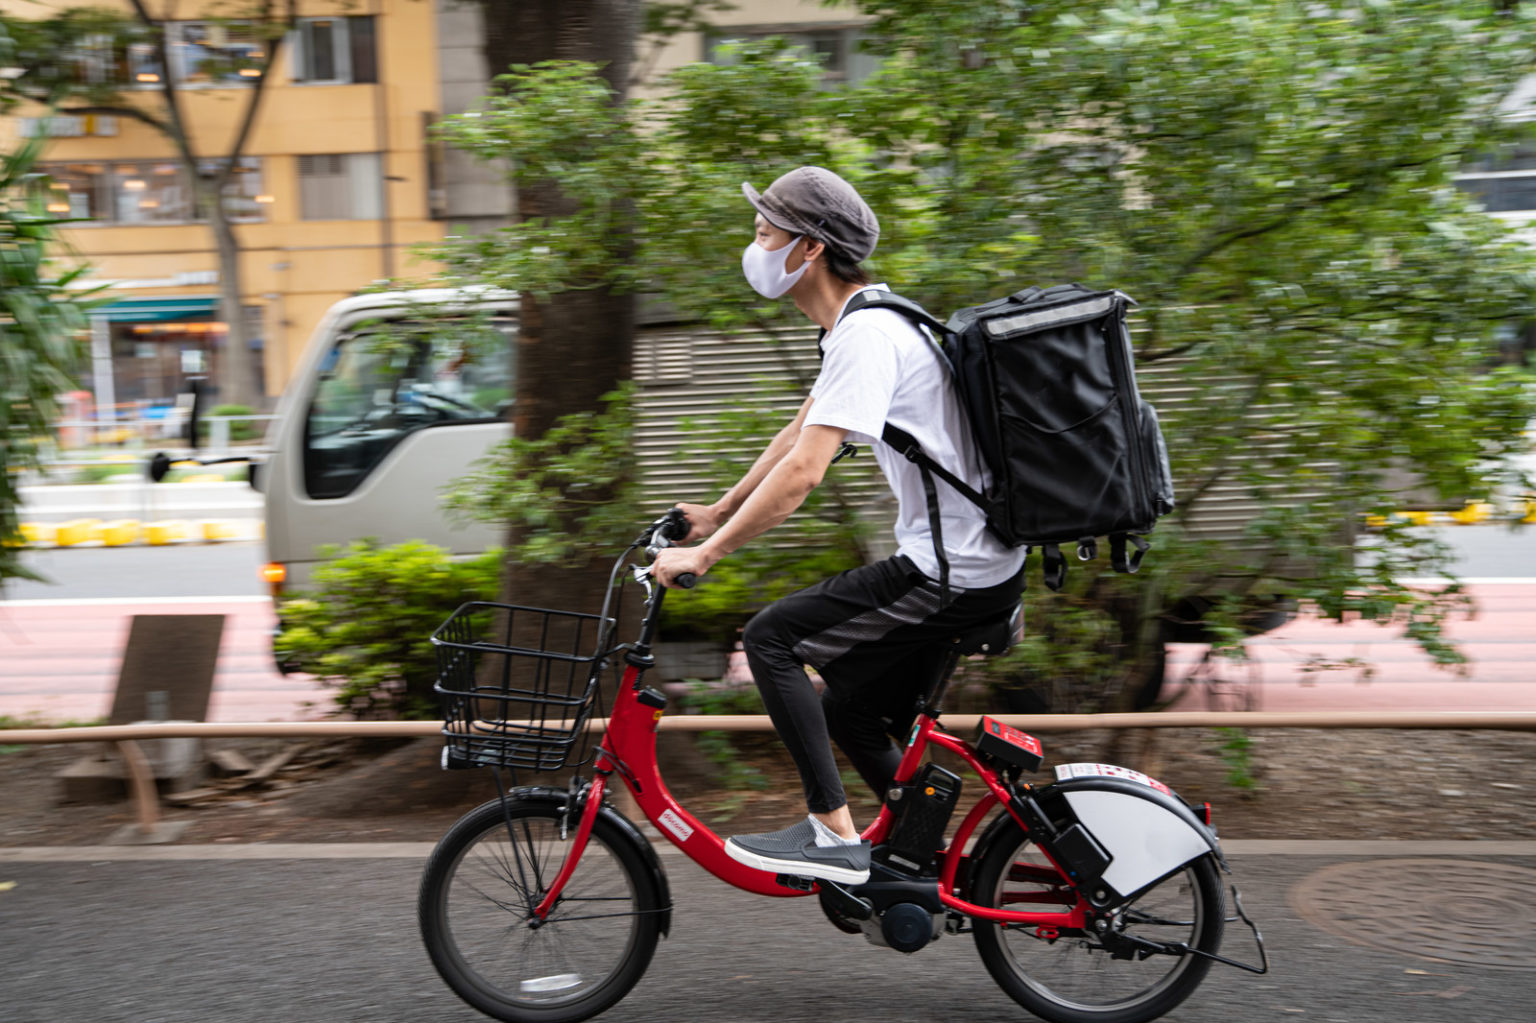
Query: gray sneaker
point(794, 851)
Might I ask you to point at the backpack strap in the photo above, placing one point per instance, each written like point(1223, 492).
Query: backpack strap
point(1117, 559)
point(874, 299)
point(1053, 565)
point(908, 448)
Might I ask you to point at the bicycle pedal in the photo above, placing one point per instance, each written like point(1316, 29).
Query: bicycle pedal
point(795, 883)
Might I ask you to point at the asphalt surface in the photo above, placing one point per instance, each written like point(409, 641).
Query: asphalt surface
point(105, 938)
point(184, 570)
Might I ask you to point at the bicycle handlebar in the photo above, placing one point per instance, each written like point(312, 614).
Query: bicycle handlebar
point(663, 533)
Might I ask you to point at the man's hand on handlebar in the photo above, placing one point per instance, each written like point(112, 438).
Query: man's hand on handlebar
point(679, 561)
point(702, 521)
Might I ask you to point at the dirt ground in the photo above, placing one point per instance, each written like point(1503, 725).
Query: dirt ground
point(1310, 784)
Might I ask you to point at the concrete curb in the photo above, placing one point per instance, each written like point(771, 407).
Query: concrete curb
point(1385, 848)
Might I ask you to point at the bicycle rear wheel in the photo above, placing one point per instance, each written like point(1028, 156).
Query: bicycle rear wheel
point(478, 892)
point(1073, 978)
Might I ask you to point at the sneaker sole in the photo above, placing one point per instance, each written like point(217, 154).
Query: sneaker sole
point(795, 868)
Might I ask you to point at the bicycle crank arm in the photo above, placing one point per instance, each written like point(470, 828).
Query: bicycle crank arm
point(847, 903)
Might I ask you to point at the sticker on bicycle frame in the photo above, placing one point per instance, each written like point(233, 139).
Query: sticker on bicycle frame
point(1066, 771)
point(675, 824)
point(911, 739)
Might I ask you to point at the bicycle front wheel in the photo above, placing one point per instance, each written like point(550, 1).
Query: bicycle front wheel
point(478, 894)
point(1072, 977)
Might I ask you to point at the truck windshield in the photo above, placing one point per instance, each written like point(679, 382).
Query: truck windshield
point(387, 381)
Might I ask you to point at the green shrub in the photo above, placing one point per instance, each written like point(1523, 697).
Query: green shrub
point(239, 429)
point(364, 626)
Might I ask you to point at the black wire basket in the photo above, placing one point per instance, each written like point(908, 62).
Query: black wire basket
point(518, 683)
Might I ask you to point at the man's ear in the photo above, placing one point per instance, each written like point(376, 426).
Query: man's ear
point(814, 249)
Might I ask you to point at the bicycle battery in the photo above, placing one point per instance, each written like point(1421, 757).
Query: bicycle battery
point(922, 808)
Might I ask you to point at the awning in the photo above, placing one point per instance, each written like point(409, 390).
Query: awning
point(151, 310)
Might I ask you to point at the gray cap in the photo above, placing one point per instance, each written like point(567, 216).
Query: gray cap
point(816, 202)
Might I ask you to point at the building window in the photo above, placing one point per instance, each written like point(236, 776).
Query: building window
point(203, 53)
point(340, 186)
point(1504, 182)
point(836, 47)
point(147, 192)
point(150, 193)
point(335, 50)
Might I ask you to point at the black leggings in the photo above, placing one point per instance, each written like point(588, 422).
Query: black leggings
point(877, 636)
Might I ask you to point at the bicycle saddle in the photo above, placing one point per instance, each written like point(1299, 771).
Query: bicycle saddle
point(990, 638)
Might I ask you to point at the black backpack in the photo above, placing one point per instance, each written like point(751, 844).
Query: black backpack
point(1047, 381)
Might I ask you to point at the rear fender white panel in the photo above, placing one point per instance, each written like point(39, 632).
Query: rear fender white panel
point(1144, 839)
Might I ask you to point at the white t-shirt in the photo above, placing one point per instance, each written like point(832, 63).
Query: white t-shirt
point(877, 368)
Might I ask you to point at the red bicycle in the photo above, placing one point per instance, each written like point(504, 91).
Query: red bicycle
point(1095, 898)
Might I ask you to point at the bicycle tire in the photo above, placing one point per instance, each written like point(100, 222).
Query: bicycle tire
point(1073, 979)
point(477, 892)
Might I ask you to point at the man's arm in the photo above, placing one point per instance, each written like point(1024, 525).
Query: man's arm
point(704, 519)
point(782, 489)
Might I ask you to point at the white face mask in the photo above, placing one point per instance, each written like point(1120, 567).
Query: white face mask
point(764, 270)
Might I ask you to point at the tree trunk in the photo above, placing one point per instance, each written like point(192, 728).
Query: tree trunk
point(573, 347)
point(236, 378)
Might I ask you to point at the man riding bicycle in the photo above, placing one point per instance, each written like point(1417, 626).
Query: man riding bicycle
point(875, 634)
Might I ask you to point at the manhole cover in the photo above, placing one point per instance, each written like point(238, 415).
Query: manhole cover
point(1456, 911)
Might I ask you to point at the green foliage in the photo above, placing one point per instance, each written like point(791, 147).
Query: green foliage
point(41, 339)
point(239, 429)
point(718, 747)
point(565, 493)
point(1274, 182)
point(1237, 750)
point(825, 536)
point(364, 626)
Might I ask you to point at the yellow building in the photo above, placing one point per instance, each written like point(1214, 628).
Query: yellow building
point(339, 183)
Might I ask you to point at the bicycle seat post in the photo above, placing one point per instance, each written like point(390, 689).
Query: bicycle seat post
point(930, 702)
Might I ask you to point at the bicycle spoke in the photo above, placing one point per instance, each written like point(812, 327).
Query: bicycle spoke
point(594, 942)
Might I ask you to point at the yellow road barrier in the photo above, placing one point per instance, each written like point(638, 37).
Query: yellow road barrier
point(37, 533)
point(168, 531)
point(214, 531)
point(119, 532)
point(77, 531)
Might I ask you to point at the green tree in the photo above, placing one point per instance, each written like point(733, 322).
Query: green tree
point(53, 61)
point(1274, 182)
point(41, 332)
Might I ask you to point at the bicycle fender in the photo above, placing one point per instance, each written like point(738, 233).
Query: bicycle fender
point(1148, 834)
point(624, 829)
point(1163, 822)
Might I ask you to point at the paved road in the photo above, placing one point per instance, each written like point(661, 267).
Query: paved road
point(94, 935)
point(184, 570)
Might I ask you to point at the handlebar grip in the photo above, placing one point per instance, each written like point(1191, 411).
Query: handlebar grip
point(686, 580)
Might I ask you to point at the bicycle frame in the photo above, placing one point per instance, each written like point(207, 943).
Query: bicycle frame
point(628, 749)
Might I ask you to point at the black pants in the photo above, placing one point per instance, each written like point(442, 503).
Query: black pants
point(878, 637)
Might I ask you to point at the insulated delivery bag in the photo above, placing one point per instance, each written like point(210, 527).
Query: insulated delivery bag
point(1048, 383)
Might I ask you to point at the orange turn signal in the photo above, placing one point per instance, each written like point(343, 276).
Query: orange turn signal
point(274, 574)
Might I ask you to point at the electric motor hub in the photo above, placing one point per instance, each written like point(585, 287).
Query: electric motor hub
point(906, 927)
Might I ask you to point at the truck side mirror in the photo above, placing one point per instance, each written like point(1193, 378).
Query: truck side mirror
point(159, 465)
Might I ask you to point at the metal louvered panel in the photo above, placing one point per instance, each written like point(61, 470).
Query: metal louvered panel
point(1229, 506)
point(698, 377)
